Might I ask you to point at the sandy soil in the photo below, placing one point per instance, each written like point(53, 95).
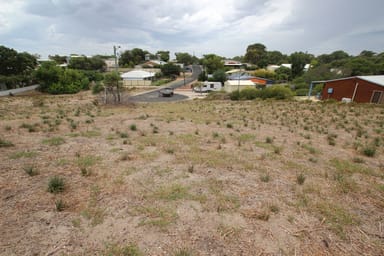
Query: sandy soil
point(196, 177)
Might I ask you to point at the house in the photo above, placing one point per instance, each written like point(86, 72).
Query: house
point(154, 63)
point(110, 63)
point(262, 81)
point(232, 63)
point(361, 89)
point(239, 75)
point(234, 85)
point(137, 78)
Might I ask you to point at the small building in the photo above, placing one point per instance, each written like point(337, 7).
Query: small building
point(361, 89)
point(137, 78)
point(234, 85)
point(232, 63)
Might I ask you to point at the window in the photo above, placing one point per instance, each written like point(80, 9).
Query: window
point(376, 97)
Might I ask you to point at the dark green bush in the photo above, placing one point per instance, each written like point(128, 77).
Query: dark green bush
point(276, 92)
point(98, 87)
point(250, 93)
point(56, 185)
point(273, 92)
point(301, 92)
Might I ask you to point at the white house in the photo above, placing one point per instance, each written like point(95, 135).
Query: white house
point(234, 85)
point(137, 78)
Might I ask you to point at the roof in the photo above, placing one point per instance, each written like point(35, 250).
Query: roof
point(379, 80)
point(137, 75)
point(240, 82)
point(232, 63)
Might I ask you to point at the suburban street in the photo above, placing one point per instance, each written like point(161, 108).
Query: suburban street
point(153, 96)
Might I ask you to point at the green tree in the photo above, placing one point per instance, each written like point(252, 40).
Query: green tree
point(298, 61)
point(47, 74)
point(283, 73)
point(111, 81)
point(359, 66)
point(85, 63)
point(203, 77)
point(185, 58)
point(220, 76)
point(213, 62)
point(275, 57)
point(170, 69)
point(56, 80)
point(334, 56)
point(133, 57)
point(58, 59)
point(16, 68)
point(164, 55)
point(265, 74)
point(257, 54)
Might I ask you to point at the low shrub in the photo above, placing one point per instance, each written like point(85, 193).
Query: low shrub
point(56, 185)
point(5, 143)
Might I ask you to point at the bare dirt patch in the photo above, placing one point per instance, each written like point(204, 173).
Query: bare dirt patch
point(195, 177)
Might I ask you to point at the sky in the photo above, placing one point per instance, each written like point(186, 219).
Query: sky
point(222, 27)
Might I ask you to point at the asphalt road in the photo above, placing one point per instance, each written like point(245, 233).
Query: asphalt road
point(153, 96)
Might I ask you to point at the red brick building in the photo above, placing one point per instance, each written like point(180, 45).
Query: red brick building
point(361, 89)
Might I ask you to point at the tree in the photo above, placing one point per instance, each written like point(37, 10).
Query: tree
point(170, 69)
point(185, 58)
point(275, 57)
point(220, 76)
point(85, 63)
point(164, 55)
point(283, 73)
point(298, 61)
point(265, 74)
point(133, 57)
point(58, 59)
point(48, 74)
point(15, 68)
point(56, 80)
point(111, 80)
point(213, 62)
point(334, 56)
point(256, 54)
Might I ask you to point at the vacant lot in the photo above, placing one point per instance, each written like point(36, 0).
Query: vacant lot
point(190, 178)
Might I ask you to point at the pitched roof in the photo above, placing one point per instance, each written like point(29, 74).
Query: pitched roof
point(379, 80)
point(137, 74)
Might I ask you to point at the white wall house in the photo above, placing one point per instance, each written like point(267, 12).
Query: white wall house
point(137, 78)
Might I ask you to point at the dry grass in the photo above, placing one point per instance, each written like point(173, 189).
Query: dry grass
point(216, 177)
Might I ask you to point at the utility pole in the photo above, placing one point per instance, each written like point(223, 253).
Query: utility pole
point(117, 71)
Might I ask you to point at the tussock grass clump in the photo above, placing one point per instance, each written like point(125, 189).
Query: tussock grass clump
point(56, 185)
point(183, 252)
point(300, 178)
point(60, 205)
point(128, 250)
point(133, 127)
point(369, 150)
point(54, 141)
point(31, 170)
point(5, 143)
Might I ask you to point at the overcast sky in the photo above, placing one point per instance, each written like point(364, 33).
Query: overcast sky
point(223, 27)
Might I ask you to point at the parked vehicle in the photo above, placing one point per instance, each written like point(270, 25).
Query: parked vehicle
point(208, 87)
point(166, 92)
